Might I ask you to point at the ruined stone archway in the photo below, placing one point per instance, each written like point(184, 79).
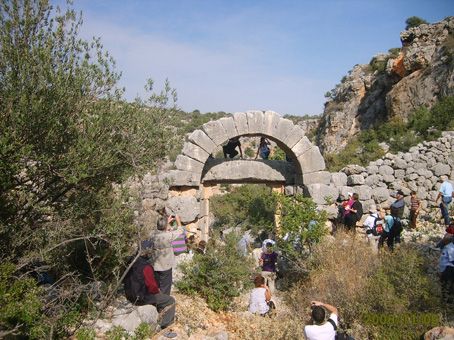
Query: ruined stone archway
point(195, 169)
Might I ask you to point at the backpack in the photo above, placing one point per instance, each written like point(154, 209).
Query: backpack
point(134, 281)
point(397, 225)
point(377, 229)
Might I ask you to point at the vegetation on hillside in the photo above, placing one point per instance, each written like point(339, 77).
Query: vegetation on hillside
point(65, 136)
point(423, 124)
point(414, 22)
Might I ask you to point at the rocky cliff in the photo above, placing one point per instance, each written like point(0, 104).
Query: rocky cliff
point(391, 85)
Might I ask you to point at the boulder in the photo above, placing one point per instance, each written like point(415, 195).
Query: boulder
point(187, 207)
point(321, 193)
point(380, 194)
point(442, 332)
point(339, 179)
point(130, 320)
point(322, 177)
point(441, 169)
point(355, 180)
point(353, 169)
point(385, 170)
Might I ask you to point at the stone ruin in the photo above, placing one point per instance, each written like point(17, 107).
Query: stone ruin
point(187, 189)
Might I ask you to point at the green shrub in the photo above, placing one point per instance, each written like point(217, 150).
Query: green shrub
point(86, 334)
point(219, 275)
point(414, 22)
point(249, 205)
point(278, 154)
point(20, 303)
point(249, 152)
point(143, 331)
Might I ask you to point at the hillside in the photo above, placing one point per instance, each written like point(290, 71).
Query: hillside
point(392, 86)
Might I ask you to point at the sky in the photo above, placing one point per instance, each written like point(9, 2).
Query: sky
point(233, 55)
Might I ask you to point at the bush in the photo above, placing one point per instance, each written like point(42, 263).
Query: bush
point(219, 275)
point(414, 22)
point(250, 205)
point(366, 286)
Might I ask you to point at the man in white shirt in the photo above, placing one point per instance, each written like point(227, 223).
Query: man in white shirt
point(321, 329)
point(446, 193)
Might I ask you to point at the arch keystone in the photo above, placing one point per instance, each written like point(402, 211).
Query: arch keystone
point(255, 121)
point(241, 124)
point(229, 126)
point(271, 123)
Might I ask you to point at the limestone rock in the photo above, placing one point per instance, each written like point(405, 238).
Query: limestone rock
point(320, 193)
point(339, 179)
point(353, 169)
point(187, 207)
point(441, 169)
point(442, 333)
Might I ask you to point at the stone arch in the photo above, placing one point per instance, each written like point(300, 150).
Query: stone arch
point(190, 164)
point(192, 182)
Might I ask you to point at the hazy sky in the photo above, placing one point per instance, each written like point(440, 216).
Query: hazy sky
point(231, 55)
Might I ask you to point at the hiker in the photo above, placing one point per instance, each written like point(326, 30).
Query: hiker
point(415, 204)
point(260, 298)
point(321, 329)
point(141, 287)
point(263, 150)
point(446, 267)
point(391, 227)
point(397, 211)
point(268, 261)
point(230, 148)
point(353, 212)
point(446, 193)
point(163, 258)
point(373, 224)
point(244, 244)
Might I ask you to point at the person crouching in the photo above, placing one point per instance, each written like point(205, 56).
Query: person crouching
point(260, 298)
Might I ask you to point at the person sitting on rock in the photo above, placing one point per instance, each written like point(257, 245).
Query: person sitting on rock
point(263, 150)
point(141, 287)
point(230, 148)
point(260, 298)
point(322, 329)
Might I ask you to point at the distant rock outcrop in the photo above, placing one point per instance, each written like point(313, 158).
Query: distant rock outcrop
point(393, 84)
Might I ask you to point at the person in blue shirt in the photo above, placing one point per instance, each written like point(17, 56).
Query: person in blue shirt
point(445, 193)
point(387, 235)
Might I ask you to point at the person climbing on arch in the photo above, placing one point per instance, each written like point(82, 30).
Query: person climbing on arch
point(263, 149)
point(230, 148)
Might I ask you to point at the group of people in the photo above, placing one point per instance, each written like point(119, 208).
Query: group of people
point(229, 149)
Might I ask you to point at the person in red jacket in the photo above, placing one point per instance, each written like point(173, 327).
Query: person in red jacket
point(141, 287)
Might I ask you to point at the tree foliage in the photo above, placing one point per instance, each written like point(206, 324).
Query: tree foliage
point(414, 22)
point(65, 136)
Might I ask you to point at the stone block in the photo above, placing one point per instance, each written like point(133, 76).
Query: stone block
point(322, 177)
point(353, 169)
point(373, 180)
point(215, 131)
point(312, 160)
point(255, 121)
point(372, 169)
point(339, 179)
point(441, 169)
point(399, 173)
point(289, 190)
point(204, 208)
point(388, 178)
point(271, 123)
point(201, 139)
point(301, 146)
point(355, 180)
point(188, 164)
point(229, 126)
point(294, 136)
point(181, 178)
point(364, 192)
point(400, 163)
point(284, 127)
point(195, 152)
point(320, 193)
point(331, 211)
point(241, 124)
point(186, 207)
point(385, 170)
point(380, 194)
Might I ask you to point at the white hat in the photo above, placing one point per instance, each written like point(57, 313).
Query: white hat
point(350, 194)
point(373, 208)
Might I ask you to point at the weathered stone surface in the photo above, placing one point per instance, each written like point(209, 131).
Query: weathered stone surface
point(380, 194)
point(355, 180)
point(353, 169)
point(187, 207)
point(331, 211)
point(364, 192)
point(255, 121)
point(400, 163)
point(312, 160)
point(399, 173)
point(388, 178)
point(301, 146)
point(372, 169)
point(339, 179)
point(241, 124)
point(188, 164)
point(201, 139)
point(194, 151)
point(322, 177)
point(182, 178)
point(320, 193)
point(284, 127)
point(441, 169)
point(289, 190)
point(441, 332)
point(373, 180)
point(244, 170)
point(295, 135)
point(344, 190)
point(229, 126)
point(271, 123)
point(215, 131)
point(130, 321)
point(385, 170)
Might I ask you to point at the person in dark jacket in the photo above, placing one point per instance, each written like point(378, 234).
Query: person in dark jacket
point(353, 213)
point(397, 211)
point(141, 287)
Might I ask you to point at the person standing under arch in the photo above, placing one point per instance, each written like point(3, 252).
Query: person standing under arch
point(230, 148)
point(263, 150)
